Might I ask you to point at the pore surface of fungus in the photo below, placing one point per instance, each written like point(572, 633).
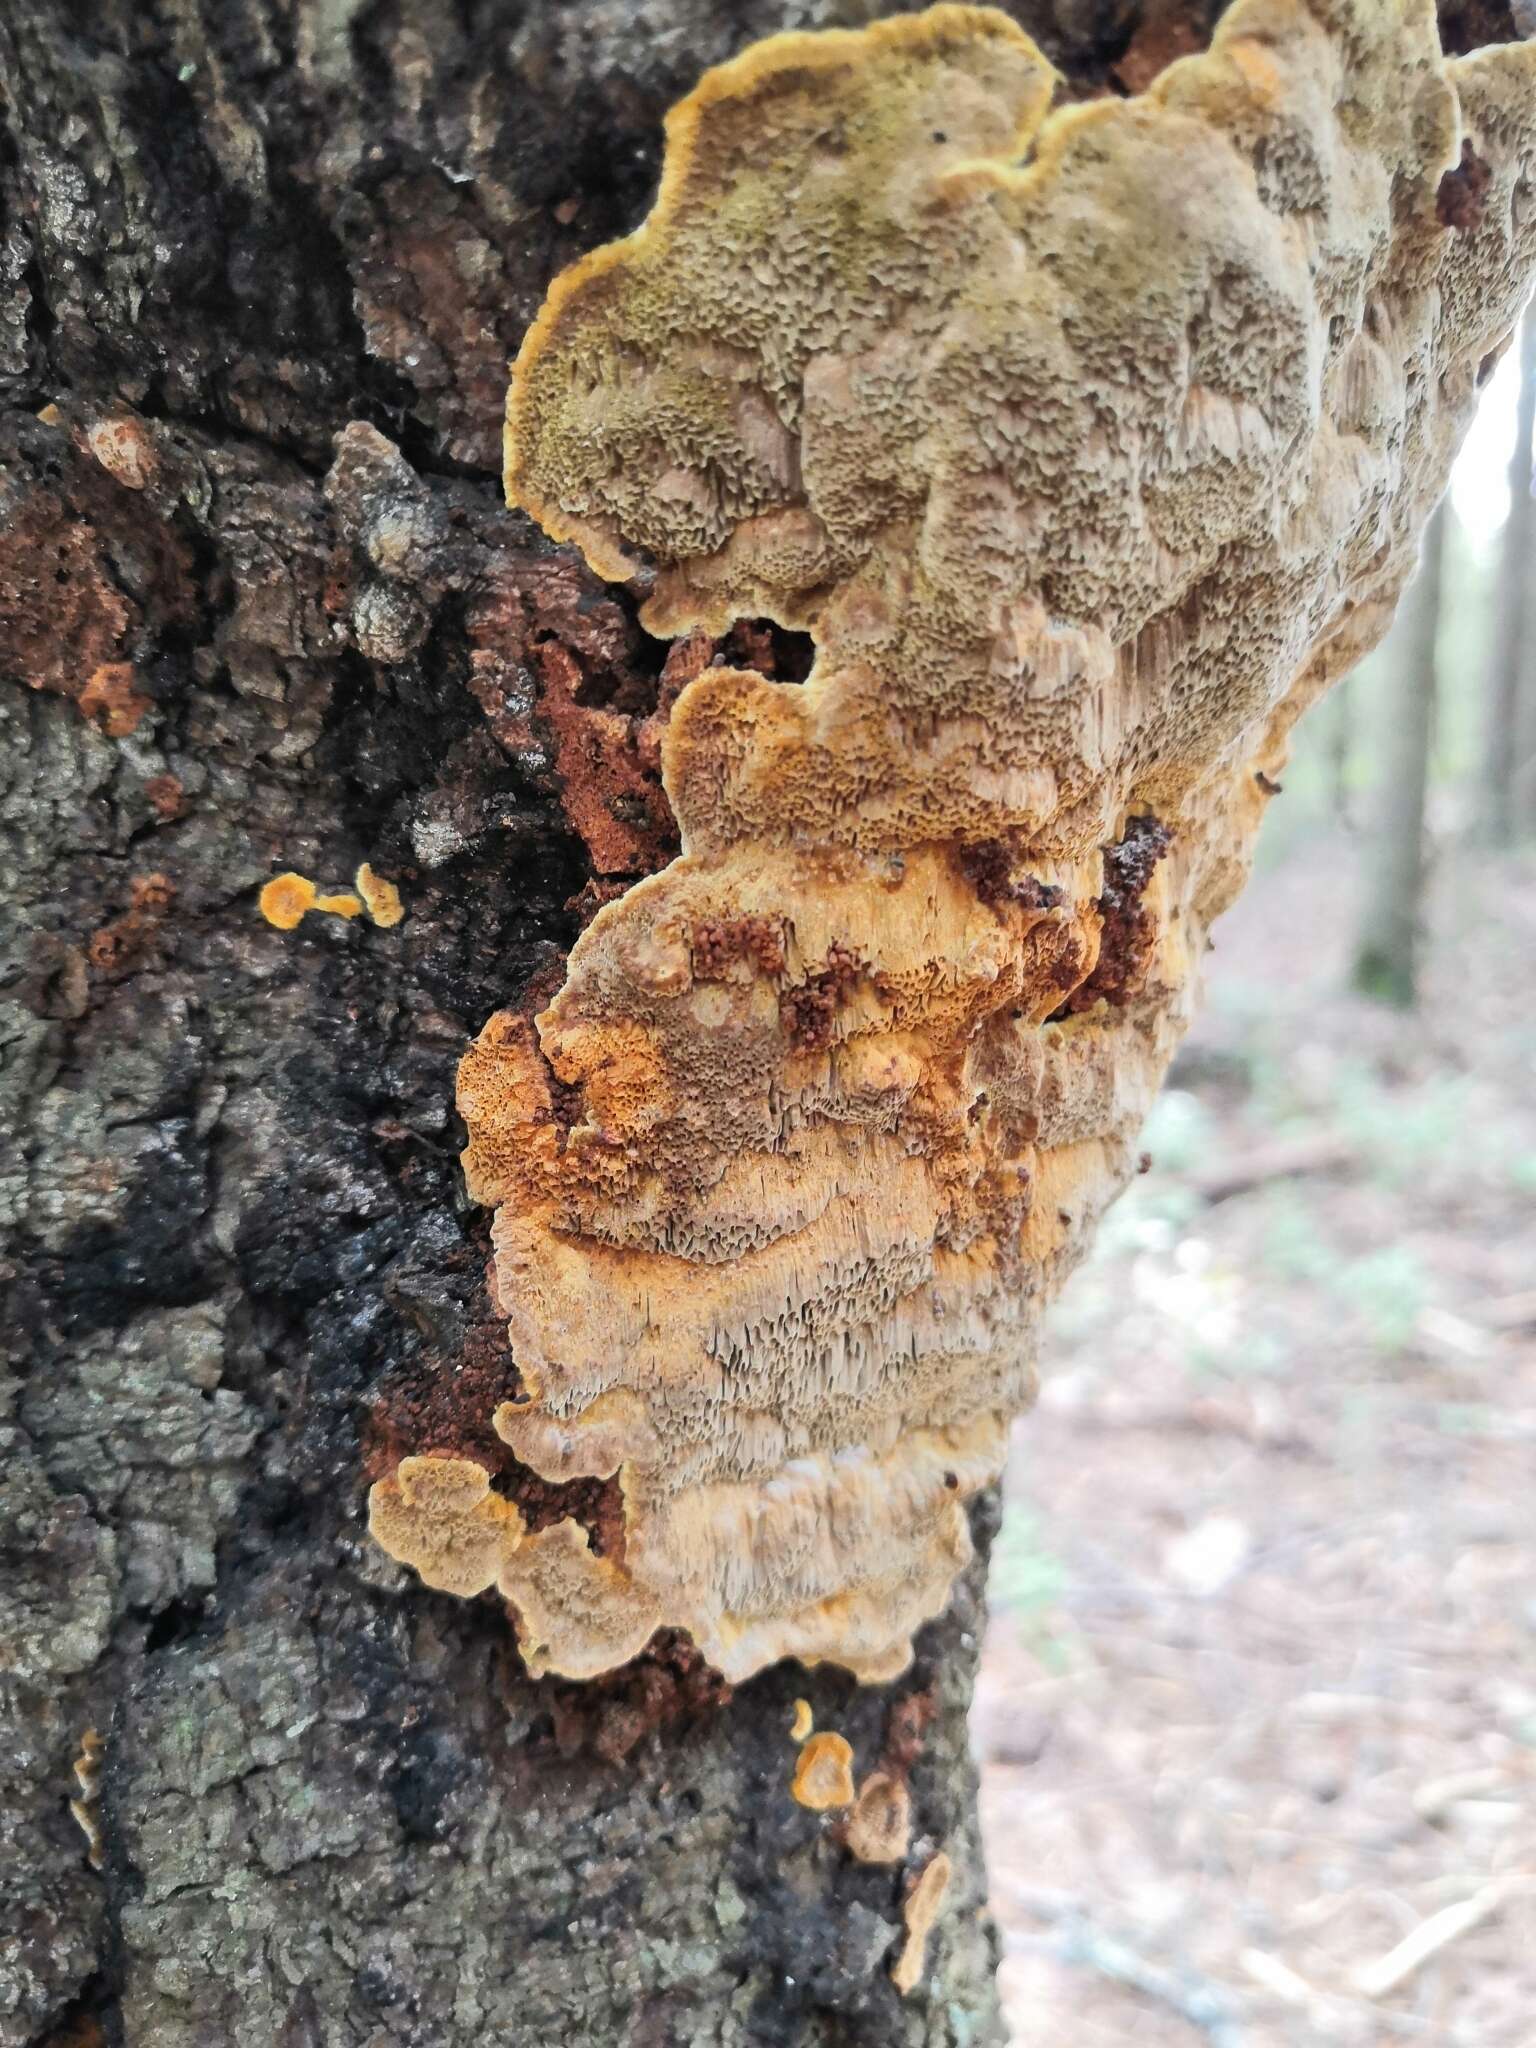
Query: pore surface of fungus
point(1088, 445)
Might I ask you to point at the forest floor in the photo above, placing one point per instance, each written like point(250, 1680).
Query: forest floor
point(1258, 1706)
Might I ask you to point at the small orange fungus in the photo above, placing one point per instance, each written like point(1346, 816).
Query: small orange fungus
point(381, 897)
point(824, 1773)
point(286, 899)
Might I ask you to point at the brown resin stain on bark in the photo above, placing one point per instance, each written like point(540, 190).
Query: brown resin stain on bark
point(129, 942)
point(612, 799)
point(1463, 192)
point(1127, 930)
point(81, 568)
point(1165, 31)
point(667, 1689)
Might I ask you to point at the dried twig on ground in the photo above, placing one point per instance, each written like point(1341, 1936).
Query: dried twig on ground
point(1283, 1160)
point(1391, 1971)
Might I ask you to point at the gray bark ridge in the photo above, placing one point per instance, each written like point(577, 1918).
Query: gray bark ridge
point(264, 610)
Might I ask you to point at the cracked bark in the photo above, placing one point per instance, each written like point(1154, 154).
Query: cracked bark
point(262, 263)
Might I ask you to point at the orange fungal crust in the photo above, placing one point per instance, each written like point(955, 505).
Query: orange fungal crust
point(286, 900)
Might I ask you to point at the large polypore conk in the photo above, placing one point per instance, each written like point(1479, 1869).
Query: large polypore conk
point(1088, 445)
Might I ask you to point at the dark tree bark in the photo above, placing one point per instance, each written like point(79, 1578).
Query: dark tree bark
point(262, 264)
point(1392, 913)
point(1509, 779)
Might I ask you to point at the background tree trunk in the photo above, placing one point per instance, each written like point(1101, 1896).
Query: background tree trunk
point(262, 264)
point(1510, 723)
point(1340, 714)
point(1386, 953)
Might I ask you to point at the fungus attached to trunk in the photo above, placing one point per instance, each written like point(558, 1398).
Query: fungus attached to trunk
point(288, 898)
point(919, 1910)
point(880, 1826)
point(381, 898)
point(823, 1775)
point(1088, 446)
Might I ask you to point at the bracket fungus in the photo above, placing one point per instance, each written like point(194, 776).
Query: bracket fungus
point(1088, 444)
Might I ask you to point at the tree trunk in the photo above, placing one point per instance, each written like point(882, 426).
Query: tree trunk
point(1387, 950)
point(1341, 736)
point(1510, 726)
point(263, 266)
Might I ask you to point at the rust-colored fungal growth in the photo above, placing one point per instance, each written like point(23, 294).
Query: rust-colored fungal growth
point(919, 1910)
point(609, 795)
point(166, 797)
point(801, 1722)
point(823, 1777)
point(1088, 446)
point(286, 900)
point(110, 701)
point(667, 1687)
point(121, 946)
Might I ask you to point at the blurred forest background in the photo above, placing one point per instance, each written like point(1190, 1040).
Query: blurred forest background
point(1257, 1721)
